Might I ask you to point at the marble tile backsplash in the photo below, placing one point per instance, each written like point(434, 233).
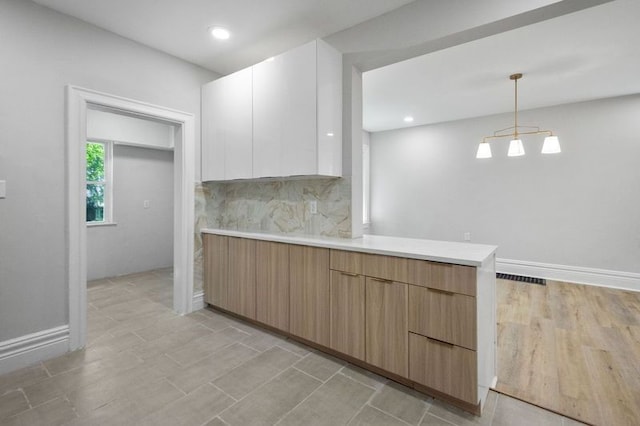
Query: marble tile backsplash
point(280, 206)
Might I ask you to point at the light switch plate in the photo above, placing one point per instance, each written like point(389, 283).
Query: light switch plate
point(3, 189)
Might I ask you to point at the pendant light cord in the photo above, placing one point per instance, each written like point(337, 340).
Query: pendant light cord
point(516, 109)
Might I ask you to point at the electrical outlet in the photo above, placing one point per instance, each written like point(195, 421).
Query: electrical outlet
point(467, 236)
point(146, 204)
point(313, 207)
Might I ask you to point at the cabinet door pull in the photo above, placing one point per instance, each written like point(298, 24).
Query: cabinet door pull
point(437, 290)
point(441, 342)
point(349, 274)
point(382, 280)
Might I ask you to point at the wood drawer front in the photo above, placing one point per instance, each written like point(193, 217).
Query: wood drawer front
point(443, 276)
point(346, 261)
point(385, 267)
point(446, 368)
point(347, 314)
point(449, 317)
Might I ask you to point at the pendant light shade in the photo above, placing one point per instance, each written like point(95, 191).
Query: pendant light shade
point(484, 150)
point(551, 145)
point(516, 149)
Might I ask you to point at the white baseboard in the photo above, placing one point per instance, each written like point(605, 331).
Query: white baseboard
point(573, 274)
point(32, 348)
point(198, 300)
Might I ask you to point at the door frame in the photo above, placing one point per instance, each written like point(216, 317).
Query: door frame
point(78, 100)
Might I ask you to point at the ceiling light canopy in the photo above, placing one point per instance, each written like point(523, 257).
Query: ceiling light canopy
point(516, 148)
point(220, 33)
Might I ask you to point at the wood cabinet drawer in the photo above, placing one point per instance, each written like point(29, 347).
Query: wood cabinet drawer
point(346, 261)
point(445, 316)
point(444, 276)
point(444, 367)
point(385, 267)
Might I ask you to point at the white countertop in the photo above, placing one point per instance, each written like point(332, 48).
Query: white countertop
point(413, 248)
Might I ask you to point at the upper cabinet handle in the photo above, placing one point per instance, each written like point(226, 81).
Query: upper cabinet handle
point(349, 274)
point(382, 280)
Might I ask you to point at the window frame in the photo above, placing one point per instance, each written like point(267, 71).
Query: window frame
point(108, 218)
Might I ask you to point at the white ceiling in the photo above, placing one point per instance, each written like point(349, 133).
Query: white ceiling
point(260, 28)
point(583, 55)
point(590, 54)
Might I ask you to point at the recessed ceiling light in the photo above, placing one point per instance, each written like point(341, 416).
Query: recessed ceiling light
point(408, 119)
point(330, 134)
point(220, 33)
point(271, 59)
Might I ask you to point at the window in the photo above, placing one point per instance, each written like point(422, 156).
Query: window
point(99, 156)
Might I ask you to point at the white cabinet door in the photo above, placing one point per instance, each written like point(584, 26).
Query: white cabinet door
point(284, 114)
point(212, 152)
point(329, 114)
point(227, 142)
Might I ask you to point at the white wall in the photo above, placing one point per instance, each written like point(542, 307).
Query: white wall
point(103, 125)
point(142, 238)
point(41, 52)
point(580, 208)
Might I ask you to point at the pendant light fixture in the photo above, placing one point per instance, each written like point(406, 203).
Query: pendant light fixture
point(551, 143)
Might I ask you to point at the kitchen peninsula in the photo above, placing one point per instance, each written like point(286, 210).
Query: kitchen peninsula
point(420, 312)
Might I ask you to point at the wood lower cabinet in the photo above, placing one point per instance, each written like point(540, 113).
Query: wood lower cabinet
point(442, 315)
point(442, 276)
point(387, 325)
point(348, 313)
point(346, 261)
point(428, 323)
point(272, 284)
point(309, 293)
point(241, 291)
point(447, 368)
point(215, 258)
point(386, 267)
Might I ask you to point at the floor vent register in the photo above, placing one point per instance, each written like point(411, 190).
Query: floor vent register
point(530, 280)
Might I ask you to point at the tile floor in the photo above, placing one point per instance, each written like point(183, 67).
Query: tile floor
point(145, 365)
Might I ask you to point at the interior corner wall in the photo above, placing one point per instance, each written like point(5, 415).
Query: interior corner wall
point(579, 208)
point(352, 141)
point(41, 52)
point(142, 238)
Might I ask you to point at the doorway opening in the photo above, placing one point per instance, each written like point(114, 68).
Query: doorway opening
point(79, 102)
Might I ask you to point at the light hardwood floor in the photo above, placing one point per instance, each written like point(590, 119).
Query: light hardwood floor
point(573, 349)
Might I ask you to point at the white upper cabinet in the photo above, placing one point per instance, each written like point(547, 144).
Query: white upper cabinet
point(227, 127)
point(293, 120)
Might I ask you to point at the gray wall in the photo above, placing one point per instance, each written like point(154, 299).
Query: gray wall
point(142, 238)
point(578, 208)
point(41, 52)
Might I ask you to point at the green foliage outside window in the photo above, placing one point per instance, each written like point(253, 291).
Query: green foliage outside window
point(95, 182)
